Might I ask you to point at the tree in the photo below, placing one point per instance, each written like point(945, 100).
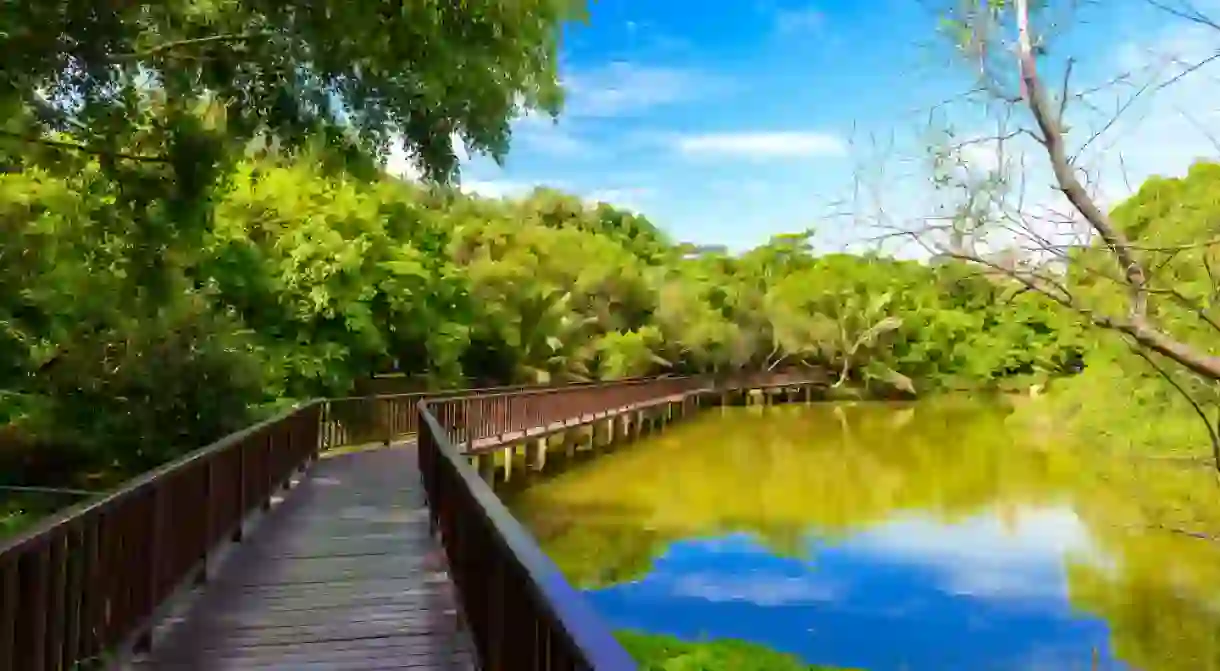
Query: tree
point(1109, 271)
point(306, 279)
point(177, 83)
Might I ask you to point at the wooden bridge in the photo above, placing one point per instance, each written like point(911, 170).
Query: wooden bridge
point(254, 553)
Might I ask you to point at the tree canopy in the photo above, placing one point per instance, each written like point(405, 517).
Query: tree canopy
point(177, 82)
point(307, 280)
point(194, 230)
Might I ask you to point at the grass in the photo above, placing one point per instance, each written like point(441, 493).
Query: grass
point(658, 652)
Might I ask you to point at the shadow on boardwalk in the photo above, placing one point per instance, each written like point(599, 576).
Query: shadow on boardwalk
point(337, 576)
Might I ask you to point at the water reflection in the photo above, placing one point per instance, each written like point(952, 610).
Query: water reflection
point(1021, 559)
point(883, 537)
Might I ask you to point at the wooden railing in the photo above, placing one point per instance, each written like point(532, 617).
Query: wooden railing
point(357, 420)
point(771, 379)
point(522, 613)
point(470, 418)
point(94, 577)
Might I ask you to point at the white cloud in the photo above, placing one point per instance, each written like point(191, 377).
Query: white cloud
point(631, 198)
point(1167, 129)
point(799, 20)
point(755, 588)
point(985, 557)
point(777, 144)
point(1160, 132)
point(401, 163)
point(1121, 135)
point(541, 133)
point(622, 88)
point(497, 188)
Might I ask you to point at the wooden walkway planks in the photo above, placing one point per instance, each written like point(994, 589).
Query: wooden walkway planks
point(335, 577)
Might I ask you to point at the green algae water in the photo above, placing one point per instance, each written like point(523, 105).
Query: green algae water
point(930, 535)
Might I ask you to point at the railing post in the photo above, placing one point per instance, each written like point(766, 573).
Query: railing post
point(57, 584)
point(389, 421)
point(152, 556)
point(324, 430)
point(74, 612)
point(209, 519)
point(9, 596)
point(267, 468)
point(31, 630)
point(240, 493)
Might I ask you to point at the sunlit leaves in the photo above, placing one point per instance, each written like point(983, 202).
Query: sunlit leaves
point(1172, 224)
point(425, 70)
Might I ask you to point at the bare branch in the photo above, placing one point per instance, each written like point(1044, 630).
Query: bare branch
point(1186, 11)
point(1071, 187)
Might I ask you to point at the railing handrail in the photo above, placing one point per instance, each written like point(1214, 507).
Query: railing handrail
point(598, 648)
point(162, 525)
point(501, 389)
point(461, 502)
point(538, 391)
point(135, 485)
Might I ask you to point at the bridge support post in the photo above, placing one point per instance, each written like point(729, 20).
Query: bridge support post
point(535, 455)
point(510, 453)
point(487, 466)
point(570, 438)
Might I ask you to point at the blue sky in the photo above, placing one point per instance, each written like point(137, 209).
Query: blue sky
point(726, 122)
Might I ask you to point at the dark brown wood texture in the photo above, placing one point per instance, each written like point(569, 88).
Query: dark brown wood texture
point(359, 420)
point(342, 575)
point(523, 614)
point(92, 578)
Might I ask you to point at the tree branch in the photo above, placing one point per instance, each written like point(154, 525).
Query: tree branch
point(1065, 177)
point(65, 145)
point(1136, 324)
point(194, 42)
point(1212, 432)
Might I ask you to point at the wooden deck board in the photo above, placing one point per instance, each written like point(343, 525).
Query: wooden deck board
point(341, 575)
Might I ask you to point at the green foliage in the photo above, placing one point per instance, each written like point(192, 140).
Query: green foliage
point(184, 82)
point(1173, 223)
point(168, 269)
point(90, 360)
point(188, 238)
point(657, 652)
point(308, 278)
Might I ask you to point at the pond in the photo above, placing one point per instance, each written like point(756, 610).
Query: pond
point(930, 535)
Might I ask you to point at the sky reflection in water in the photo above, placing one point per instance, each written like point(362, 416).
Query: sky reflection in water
point(892, 537)
point(911, 593)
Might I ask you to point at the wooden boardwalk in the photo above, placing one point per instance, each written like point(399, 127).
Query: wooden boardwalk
point(341, 575)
